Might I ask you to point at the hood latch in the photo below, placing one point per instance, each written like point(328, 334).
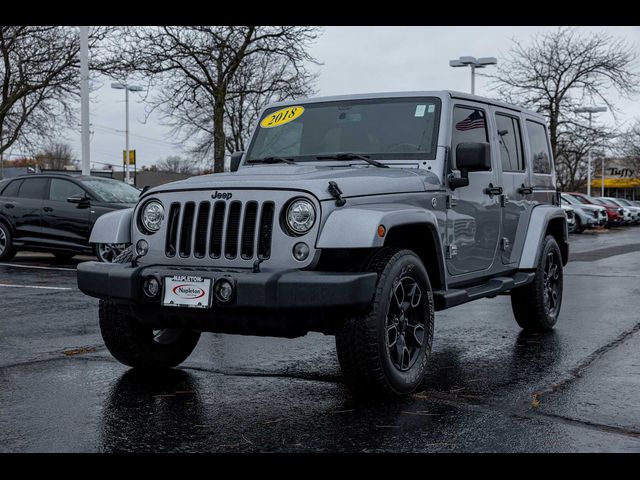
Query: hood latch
point(336, 193)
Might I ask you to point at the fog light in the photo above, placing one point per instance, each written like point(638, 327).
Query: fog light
point(224, 291)
point(300, 251)
point(151, 287)
point(142, 247)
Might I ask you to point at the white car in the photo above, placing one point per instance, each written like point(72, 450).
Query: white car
point(634, 211)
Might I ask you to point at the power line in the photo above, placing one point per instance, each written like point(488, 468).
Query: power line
point(115, 130)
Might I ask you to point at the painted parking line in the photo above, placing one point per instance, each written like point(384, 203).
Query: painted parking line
point(35, 286)
point(37, 267)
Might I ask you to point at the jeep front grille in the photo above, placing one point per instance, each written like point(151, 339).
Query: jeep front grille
point(220, 229)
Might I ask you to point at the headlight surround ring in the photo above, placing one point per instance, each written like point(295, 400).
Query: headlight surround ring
point(151, 216)
point(299, 216)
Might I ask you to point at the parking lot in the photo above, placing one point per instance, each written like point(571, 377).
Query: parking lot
point(489, 387)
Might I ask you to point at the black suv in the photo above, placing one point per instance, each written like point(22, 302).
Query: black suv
point(56, 212)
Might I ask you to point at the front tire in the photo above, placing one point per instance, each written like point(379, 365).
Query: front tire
point(385, 351)
point(137, 345)
point(7, 250)
point(536, 306)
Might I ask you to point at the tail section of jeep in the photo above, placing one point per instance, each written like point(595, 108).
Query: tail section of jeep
point(356, 216)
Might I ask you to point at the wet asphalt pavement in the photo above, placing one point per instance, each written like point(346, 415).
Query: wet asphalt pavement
point(489, 388)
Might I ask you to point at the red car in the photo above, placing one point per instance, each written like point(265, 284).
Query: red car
point(615, 213)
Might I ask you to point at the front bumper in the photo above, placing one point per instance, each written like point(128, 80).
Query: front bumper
point(275, 290)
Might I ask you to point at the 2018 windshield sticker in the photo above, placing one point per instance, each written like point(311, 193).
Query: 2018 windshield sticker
point(281, 117)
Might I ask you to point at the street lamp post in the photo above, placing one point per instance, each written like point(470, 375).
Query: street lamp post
point(591, 111)
point(474, 63)
point(127, 89)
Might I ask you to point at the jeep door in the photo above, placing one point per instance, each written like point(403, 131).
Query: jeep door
point(473, 221)
point(540, 160)
point(516, 178)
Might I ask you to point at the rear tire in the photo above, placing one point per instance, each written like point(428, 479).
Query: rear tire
point(7, 250)
point(137, 345)
point(385, 351)
point(536, 306)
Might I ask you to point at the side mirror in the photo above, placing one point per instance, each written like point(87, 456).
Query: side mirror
point(234, 164)
point(473, 157)
point(80, 200)
point(144, 189)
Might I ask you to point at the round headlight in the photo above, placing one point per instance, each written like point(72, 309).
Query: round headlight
point(300, 216)
point(152, 216)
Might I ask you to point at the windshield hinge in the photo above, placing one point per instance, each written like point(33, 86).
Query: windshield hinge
point(336, 193)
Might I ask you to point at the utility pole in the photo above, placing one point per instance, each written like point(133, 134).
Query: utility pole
point(84, 99)
point(127, 89)
point(591, 111)
point(473, 63)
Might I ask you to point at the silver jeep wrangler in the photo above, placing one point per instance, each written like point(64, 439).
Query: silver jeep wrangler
point(357, 216)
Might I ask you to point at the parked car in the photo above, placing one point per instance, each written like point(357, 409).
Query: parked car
point(571, 217)
point(587, 216)
point(627, 218)
point(634, 209)
point(56, 212)
point(348, 216)
point(615, 213)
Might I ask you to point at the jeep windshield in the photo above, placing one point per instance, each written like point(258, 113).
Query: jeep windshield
point(381, 129)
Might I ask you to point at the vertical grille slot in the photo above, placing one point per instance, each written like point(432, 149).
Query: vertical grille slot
point(266, 229)
point(233, 228)
point(186, 229)
point(202, 222)
point(172, 230)
point(248, 230)
point(217, 224)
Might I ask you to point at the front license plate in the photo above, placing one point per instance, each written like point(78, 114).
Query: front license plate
point(187, 291)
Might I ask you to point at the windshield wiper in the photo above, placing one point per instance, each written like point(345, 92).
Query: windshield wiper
point(352, 156)
point(272, 160)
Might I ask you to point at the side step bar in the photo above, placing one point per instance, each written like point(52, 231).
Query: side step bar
point(450, 298)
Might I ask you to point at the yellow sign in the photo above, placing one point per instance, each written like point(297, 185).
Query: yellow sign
point(617, 182)
point(281, 117)
point(132, 157)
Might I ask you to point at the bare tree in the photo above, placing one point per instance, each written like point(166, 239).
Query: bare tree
point(196, 70)
point(176, 164)
point(261, 81)
point(562, 70)
point(571, 161)
point(627, 146)
point(40, 82)
point(56, 156)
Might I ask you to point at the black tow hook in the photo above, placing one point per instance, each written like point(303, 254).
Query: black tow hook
point(256, 265)
point(336, 193)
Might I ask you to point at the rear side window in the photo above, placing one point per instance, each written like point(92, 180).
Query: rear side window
point(62, 189)
point(510, 143)
point(469, 125)
point(33, 188)
point(11, 190)
point(539, 147)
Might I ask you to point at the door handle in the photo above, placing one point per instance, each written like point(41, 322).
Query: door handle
point(9, 205)
point(491, 190)
point(48, 209)
point(525, 190)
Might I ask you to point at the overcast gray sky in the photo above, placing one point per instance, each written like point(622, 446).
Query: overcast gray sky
point(354, 60)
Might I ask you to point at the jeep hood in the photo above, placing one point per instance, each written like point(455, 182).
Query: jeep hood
point(353, 180)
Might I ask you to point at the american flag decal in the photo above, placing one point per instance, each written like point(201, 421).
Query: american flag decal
point(475, 120)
